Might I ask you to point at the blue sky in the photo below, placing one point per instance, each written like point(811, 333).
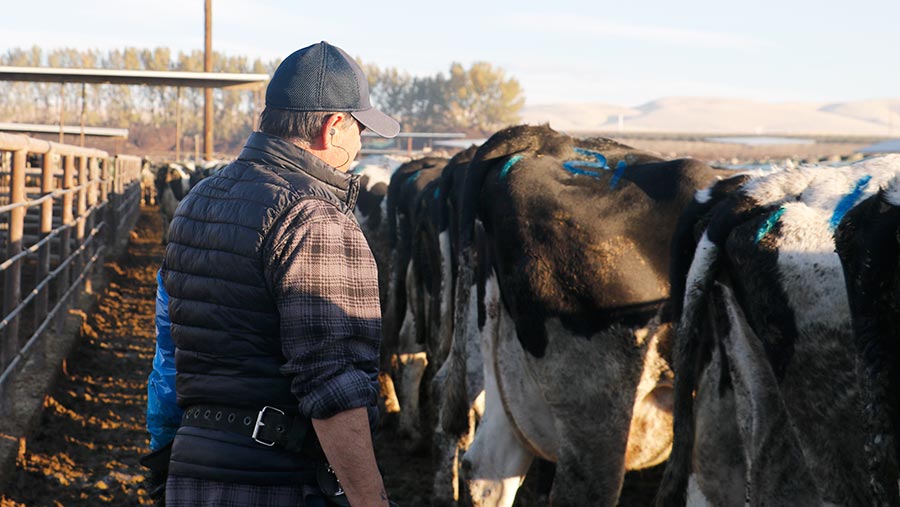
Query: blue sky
point(623, 53)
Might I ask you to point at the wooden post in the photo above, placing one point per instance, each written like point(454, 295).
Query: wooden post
point(80, 215)
point(65, 237)
point(42, 302)
point(90, 220)
point(12, 279)
point(208, 92)
point(104, 175)
point(114, 198)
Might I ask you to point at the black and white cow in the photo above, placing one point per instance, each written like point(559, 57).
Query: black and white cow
point(403, 352)
point(371, 210)
point(433, 268)
point(868, 243)
point(371, 213)
point(566, 301)
point(173, 182)
point(767, 401)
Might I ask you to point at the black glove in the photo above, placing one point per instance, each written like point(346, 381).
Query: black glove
point(158, 464)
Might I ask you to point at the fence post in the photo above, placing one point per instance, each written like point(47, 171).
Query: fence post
point(81, 218)
point(43, 269)
point(65, 241)
point(12, 279)
point(42, 301)
point(90, 222)
point(109, 233)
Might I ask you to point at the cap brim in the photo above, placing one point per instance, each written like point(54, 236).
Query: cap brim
point(377, 122)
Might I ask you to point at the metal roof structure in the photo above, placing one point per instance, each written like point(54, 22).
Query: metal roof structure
point(421, 135)
point(33, 128)
point(229, 81)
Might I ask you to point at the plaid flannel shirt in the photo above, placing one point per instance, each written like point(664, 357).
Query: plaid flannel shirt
point(325, 283)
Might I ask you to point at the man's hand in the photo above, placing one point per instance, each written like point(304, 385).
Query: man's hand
point(347, 442)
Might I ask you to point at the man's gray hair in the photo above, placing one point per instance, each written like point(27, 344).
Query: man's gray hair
point(297, 126)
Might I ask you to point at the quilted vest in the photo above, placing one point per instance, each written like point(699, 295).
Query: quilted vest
point(224, 320)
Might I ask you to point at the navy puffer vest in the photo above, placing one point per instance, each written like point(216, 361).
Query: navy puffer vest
point(224, 321)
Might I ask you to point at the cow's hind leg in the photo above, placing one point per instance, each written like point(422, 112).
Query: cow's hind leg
point(495, 465)
point(590, 385)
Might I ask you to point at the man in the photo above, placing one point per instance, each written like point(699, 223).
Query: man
point(273, 302)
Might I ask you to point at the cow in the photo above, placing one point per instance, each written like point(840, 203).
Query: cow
point(433, 268)
point(402, 352)
point(172, 184)
point(371, 210)
point(567, 299)
point(868, 243)
point(371, 213)
point(148, 183)
point(767, 400)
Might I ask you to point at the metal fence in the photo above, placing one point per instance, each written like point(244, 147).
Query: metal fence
point(61, 208)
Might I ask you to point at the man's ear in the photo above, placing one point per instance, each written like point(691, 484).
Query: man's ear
point(330, 128)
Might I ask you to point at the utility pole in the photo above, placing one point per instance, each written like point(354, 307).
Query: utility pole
point(83, 110)
point(62, 111)
point(208, 92)
point(178, 124)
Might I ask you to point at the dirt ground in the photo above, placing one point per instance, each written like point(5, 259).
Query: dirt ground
point(91, 434)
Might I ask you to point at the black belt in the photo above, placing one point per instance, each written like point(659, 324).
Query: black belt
point(268, 426)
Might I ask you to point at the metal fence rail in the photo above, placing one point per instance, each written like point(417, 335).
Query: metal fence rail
point(61, 208)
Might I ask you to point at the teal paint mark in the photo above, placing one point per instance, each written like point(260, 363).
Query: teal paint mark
point(577, 166)
point(437, 193)
point(508, 165)
point(412, 179)
point(770, 222)
point(848, 201)
point(620, 169)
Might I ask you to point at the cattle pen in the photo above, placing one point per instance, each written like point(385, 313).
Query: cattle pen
point(62, 208)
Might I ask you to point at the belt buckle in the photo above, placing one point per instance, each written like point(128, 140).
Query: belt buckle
point(260, 424)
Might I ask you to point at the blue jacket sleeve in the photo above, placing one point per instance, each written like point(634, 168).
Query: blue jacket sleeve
point(163, 413)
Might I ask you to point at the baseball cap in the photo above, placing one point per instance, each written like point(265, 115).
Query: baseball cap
point(323, 77)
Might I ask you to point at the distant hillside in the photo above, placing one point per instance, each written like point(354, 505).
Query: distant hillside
point(724, 116)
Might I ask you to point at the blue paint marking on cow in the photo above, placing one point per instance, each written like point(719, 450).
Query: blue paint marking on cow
point(848, 201)
point(413, 178)
point(770, 222)
point(437, 192)
point(575, 166)
point(620, 169)
point(508, 165)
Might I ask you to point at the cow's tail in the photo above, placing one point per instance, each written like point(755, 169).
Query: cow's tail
point(395, 305)
point(867, 243)
point(688, 356)
point(454, 403)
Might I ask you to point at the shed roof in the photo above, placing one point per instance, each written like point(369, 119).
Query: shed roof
point(133, 77)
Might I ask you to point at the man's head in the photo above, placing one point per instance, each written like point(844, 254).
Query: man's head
point(318, 98)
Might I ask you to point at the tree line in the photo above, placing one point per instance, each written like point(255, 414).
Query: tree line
point(476, 100)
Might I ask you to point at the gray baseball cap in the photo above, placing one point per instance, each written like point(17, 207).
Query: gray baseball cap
point(323, 77)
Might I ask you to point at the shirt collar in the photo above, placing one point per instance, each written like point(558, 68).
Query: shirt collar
point(275, 151)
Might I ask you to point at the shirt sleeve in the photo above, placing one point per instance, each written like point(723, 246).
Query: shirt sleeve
point(325, 284)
